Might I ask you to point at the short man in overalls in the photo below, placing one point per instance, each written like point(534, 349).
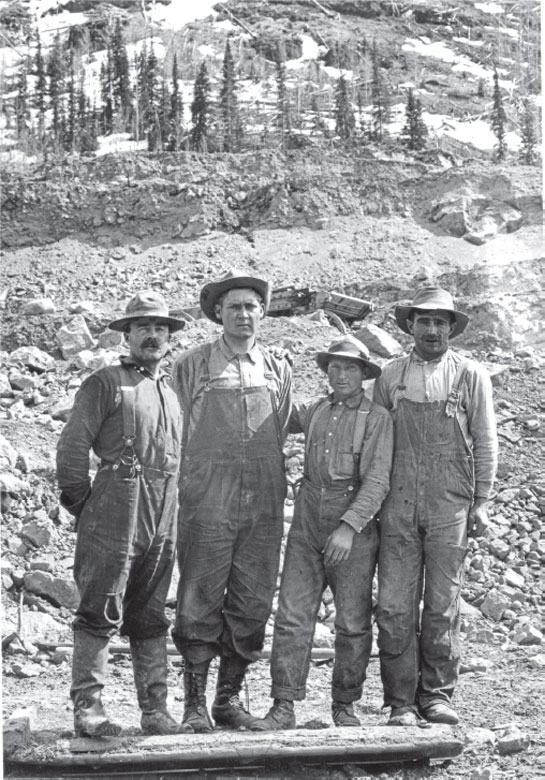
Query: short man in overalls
point(445, 458)
point(126, 520)
point(333, 538)
point(236, 397)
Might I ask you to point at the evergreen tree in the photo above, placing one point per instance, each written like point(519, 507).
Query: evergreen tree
point(317, 122)
point(56, 76)
point(381, 107)
point(414, 131)
point(528, 135)
point(344, 115)
point(22, 110)
point(148, 92)
point(106, 94)
point(283, 111)
point(499, 119)
point(201, 111)
point(41, 87)
point(72, 124)
point(121, 87)
point(228, 104)
point(175, 124)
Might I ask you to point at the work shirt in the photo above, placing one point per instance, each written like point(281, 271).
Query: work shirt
point(258, 367)
point(98, 401)
point(427, 381)
point(329, 452)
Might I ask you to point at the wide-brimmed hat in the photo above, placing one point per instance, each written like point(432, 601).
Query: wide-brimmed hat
point(232, 280)
point(147, 303)
point(349, 347)
point(432, 299)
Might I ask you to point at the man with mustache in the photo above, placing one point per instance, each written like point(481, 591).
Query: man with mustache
point(235, 394)
point(126, 520)
point(445, 458)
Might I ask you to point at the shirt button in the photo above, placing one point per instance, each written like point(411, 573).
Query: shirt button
point(330, 434)
point(327, 450)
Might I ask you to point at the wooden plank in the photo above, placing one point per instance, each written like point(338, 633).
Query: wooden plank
point(378, 744)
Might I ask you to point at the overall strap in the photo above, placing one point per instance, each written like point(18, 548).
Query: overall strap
point(128, 409)
point(268, 374)
point(206, 352)
point(453, 398)
point(401, 388)
point(357, 444)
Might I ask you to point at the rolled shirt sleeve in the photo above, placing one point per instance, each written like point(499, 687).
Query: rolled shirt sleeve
point(481, 421)
point(374, 468)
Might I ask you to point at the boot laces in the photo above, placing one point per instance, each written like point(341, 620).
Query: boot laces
point(234, 701)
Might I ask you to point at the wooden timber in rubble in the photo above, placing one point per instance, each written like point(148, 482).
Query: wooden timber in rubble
point(289, 301)
point(236, 749)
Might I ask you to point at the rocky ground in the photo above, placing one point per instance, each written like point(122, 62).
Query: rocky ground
point(71, 259)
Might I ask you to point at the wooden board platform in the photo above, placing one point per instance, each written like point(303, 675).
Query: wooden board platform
point(221, 749)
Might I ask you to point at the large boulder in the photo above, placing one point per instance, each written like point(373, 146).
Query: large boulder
point(33, 358)
point(60, 592)
point(74, 336)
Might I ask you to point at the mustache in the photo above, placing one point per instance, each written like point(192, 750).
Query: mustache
point(153, 343)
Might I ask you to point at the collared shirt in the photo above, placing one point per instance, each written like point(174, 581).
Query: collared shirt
point(428, 381)
point(330, 458)
point(96, 422)
point(258, 367)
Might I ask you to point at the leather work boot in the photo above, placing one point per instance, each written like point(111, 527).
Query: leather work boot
point(280, 716)
point(196, 717)
point(343, 714)
point(440, 712)
point(89, 663)
point(227, 709)
point(406, 716)
point(149, 663)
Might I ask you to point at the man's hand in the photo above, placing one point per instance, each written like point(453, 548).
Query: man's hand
point(477, 519)
point(338, 545)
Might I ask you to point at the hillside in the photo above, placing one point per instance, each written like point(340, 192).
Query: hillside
point(306, 209)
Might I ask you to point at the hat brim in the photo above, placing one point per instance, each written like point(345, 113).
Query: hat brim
point(213, 290)
point(373, 369)
point(173, 323)
point(402, 313)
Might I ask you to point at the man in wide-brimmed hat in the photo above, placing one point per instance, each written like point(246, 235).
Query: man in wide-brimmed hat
point(126, 520)
point(444, 467)
point(235, 394)
point(333, 538)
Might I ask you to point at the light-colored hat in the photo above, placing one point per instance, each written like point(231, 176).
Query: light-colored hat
point(432, 299)
point(351, 348)
point(147, 303)
point(232, 280)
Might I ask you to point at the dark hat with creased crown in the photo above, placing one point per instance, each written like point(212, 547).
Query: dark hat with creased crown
point(351, 348)
point(147, 303)
point(232, 280)
point(432, 299)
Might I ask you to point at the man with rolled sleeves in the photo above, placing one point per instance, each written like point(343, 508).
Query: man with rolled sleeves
point(333, 538)
point(126, 520)
point(445, 458)
point(235, 394)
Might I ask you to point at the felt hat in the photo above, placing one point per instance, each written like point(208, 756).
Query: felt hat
point(232, 280)
point(147, 303)
point(432, 299)
point(349, 347)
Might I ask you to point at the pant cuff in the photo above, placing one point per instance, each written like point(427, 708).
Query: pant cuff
point(346, 696)
point(289, 694)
